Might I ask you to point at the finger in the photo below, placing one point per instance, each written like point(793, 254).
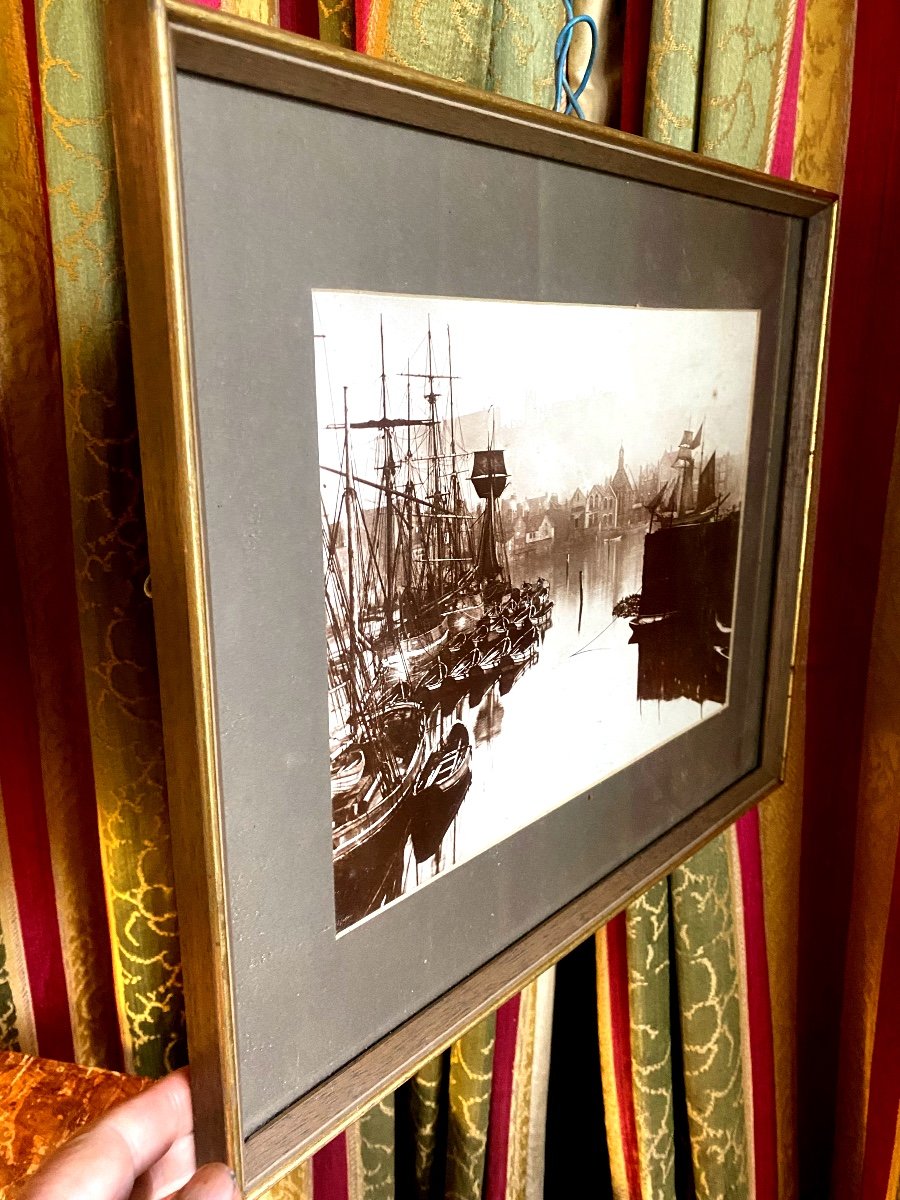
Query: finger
point(212, 1182)
point(103, 1162)
point(153, 1122)
point(172, 1172)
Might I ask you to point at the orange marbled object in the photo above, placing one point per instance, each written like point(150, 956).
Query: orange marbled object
point(43, 1103)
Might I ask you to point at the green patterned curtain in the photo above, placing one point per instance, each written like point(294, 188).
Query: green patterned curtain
point(717, 75)
point(110, 542)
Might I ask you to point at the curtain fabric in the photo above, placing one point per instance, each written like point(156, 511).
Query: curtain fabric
point(664, 1061)
point(848, 1063)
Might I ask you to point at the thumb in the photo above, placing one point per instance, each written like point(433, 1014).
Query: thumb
point(212, 1182)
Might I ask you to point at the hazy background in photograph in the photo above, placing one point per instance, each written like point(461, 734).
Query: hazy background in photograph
point(605, 376)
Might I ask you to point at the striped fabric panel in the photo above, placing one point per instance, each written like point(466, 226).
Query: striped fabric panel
point(110, 549)
point(502, 1085)
point(869, 1085)
point(299, 16)
point(471, 1068)
point(450, 38)
point(17, 1027)
point(780, 815)
point(330, 1171)
point(264, 11)
point(879, 1173)
point(419, 1107)
point(516, 1177)
point(635, 51)
point(706, 956)
point(523, 36)
point(373, 1179)
point(33, 900)
point(893, 1189)
point(844, 908)
point(747, 49)
point(528, 1100)
point(296, 1186)
point(39, 512)
point(870, 991)
point(617, 1069)
point(823, 94)
point(337, 22)
point(22, 322)
point(544, 989)
point(673, 72)
point(756, 1016)
point(365, 26)
point(649, 995)
point(780, 152)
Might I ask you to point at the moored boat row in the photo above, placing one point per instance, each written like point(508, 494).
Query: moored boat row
point(418, 602)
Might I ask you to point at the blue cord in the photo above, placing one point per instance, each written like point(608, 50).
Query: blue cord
point(561, 54)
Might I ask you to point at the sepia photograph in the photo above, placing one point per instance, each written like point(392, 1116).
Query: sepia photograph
point(530, 525)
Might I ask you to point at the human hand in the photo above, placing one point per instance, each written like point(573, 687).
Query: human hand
point(140, 1150)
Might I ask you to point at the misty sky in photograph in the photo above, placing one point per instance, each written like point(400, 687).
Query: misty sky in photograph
point(561, 386)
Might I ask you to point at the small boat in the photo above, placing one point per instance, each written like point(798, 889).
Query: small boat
point(347, 767)
point(541, 613)
point(520, 651)
point(392, 768)
point(436, 677)
point(466, 664)
point(650, 619)
point(447, 766)
point(494, 656)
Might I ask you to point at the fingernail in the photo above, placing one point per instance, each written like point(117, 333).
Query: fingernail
point(209, 1184)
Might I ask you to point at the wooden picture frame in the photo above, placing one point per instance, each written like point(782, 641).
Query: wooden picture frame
point(154, 45)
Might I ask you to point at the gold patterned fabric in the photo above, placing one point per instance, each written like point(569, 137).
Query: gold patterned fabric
point(40, 568)
point(337, 22)
point(471, 1062)
point(265, 11)
point(823, 107)
point(110, 545)
point(716, 78)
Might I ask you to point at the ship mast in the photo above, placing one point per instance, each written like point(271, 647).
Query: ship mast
point(460, 537)
point(433, 566)
point(351, 568)
point(689, 443)
point(388, 477)
point(436, 578)
point(489, 479)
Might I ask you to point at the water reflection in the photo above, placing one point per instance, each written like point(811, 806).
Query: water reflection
point(546, 729)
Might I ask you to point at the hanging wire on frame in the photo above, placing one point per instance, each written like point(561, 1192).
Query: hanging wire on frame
point(561, 54)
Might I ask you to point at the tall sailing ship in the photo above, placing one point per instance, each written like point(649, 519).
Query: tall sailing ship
point(682, 622)
point(419, 601)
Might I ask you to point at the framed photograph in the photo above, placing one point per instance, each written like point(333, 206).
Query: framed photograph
point(478, 452)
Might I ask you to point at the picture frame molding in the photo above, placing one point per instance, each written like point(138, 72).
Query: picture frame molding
point(149, 40)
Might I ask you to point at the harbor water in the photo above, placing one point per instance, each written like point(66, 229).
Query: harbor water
point(566, 720)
